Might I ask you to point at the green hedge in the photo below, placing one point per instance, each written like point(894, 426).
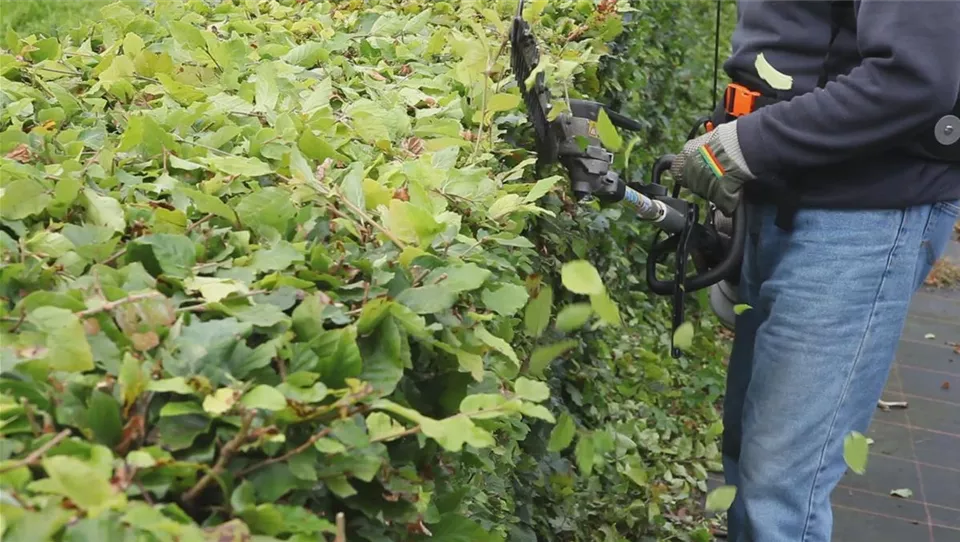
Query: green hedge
point(266, 262)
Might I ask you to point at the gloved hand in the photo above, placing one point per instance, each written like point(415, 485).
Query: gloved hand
point(712, 167)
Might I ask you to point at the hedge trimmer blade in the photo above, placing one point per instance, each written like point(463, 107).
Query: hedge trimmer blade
point(524, 59)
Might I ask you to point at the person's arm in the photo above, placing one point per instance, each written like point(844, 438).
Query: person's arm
point(909, 72)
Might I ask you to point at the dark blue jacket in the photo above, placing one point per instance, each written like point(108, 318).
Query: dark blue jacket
point(896, 70)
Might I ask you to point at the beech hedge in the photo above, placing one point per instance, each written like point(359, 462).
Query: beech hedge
point(283, 270)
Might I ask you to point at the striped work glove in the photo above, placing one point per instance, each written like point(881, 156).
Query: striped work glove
point(712, 167)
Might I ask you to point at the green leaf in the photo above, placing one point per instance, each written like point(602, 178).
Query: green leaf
point(856, 449)
point(307, 54)
point(428, 299)
point(541, 188)
point(267, 92)
point(562, 434)
point(608, 132)
point(207, 204)
point(584, 453)
point(721, 498)
point(581, 277)
point(187, 34)
point(385, 355)
point(338, 356)
point(104, 211)
point(456, 528)
point(103, 414)
point(606, 308)
point(84, 485)
point(23, 198)
point(239, 165)
point(382, 427)
point(217, 404)
point(506, 300)
point(352, 185)
point(64, 339)
point(471, 363)
point(537, 411)
point(461, 278)
point(410, 223)
point(164, 253)
point(544, 355)
point(270, 207)
point(214, 289)
point(536, 317)
point(264, 397)
point(573, 316)
point(683, 336)
point(531, 390)
point(741, 308)
point(497, 344)
point(902, 493)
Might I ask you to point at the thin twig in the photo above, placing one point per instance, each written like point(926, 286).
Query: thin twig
point(37, 454)
point(114, 257)
point(391, 436)
point(225, 454)
point(199, 222)
point(106, 307)
point(280, 458)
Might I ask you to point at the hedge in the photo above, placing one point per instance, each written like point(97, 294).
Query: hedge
point(274, 265)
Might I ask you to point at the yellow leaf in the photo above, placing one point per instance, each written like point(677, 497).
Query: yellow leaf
point(768, 73)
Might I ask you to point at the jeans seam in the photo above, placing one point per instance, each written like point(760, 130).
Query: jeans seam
point(849, 378)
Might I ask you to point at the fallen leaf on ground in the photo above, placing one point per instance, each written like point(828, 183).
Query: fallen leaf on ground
point(945, 385)
point(904, 493)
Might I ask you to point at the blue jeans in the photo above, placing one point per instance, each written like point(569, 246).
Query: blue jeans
point(811, 358)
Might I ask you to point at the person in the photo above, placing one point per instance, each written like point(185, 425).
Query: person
point(838, 135)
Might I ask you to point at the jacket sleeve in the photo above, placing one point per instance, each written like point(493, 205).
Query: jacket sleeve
point(909, 74)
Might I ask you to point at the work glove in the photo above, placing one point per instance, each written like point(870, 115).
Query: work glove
point(712, 167)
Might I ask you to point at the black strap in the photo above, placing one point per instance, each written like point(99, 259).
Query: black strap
point(684, 240)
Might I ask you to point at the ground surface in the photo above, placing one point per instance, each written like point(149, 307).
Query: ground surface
point(915, 448)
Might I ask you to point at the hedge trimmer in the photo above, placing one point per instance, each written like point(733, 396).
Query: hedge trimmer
point(571, 137)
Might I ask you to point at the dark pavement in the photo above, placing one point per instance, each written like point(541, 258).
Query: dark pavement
point(918, 447)
point(915, 448)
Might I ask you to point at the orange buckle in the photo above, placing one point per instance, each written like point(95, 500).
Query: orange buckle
point(739, 100)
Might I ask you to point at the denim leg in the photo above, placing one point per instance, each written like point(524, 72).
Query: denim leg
point(811, 358)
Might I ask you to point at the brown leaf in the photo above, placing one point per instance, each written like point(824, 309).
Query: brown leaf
point(91, 326)
point(145, 341)
point(414, 145)
point(231, 531)
point(21, 154)
point(945, 385)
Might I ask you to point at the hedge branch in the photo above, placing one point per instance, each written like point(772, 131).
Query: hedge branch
point(36, 454)
point(280, 458)
point(109, 306)
point(225, 454)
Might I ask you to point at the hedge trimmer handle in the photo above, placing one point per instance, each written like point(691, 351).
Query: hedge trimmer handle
point(720, 259)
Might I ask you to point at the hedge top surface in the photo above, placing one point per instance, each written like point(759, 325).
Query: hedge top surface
point(235, 240)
